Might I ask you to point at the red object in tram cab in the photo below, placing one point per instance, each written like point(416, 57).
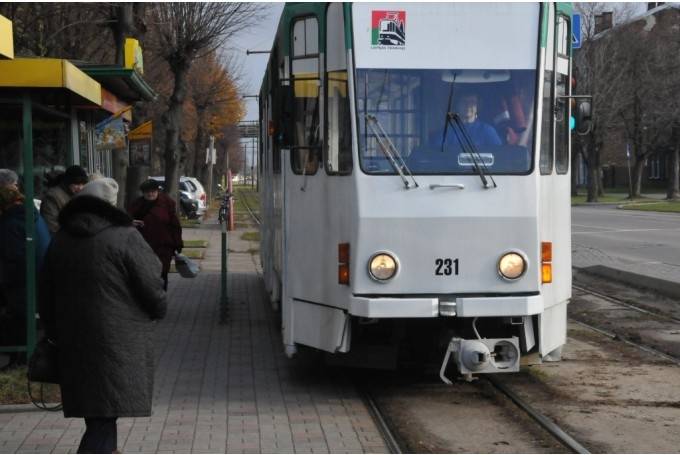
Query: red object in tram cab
point(270, 129)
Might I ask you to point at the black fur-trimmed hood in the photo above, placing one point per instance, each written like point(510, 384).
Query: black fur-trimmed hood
point(85, 216)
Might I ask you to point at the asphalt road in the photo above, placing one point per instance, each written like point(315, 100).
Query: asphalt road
point(646, 241)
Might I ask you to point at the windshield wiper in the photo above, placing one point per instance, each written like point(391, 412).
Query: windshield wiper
point(390, 151)
point(469, 147)
point(466, 143)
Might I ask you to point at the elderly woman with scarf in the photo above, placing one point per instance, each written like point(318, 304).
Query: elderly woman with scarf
point(155, 215)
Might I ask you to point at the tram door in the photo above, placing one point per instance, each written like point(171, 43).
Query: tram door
point(556, 179)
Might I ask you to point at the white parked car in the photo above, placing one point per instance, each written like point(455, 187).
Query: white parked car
point(199, 192)
point(193, 188)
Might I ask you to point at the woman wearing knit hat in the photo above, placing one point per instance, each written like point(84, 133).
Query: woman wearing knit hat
point(13, 261)
point(155, 215)
point(70, 183)
point(99, 295)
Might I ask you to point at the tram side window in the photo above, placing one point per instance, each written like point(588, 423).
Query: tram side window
point(562, 89)
point(277, 110)
point(338, 134)
point(545, 162)
point(306, 84)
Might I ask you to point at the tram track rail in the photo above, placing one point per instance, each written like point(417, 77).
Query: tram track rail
point(545, 422)
point(252, 214)
point(620, 337)
point(628, 305)
point(395, 445)
point(391, 440)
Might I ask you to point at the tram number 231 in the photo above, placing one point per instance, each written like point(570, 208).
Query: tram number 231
point(446, 266)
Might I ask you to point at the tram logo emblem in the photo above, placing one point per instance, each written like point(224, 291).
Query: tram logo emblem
point(388, 30)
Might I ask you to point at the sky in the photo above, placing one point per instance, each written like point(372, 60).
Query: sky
point(257, 38)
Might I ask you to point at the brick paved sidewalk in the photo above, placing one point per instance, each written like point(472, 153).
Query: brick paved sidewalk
point(221, 387)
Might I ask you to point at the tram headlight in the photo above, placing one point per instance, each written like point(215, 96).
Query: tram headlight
point(512, 266)
point(382, 266)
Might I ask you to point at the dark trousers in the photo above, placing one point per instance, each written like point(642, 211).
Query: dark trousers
point(101, 435)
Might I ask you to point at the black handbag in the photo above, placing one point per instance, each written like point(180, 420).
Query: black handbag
point(43, 365)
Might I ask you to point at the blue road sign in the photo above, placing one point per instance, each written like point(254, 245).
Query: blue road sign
point(576, 31)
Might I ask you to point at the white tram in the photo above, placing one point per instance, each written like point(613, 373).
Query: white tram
point(415, 193)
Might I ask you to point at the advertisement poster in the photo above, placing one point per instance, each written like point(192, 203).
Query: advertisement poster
point(110, 134)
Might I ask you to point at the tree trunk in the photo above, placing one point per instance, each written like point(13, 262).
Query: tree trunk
point(173, 121)
point(593, 180)
point(638, 169)
point(124, 27)
point(199, 155)
point(673, 191)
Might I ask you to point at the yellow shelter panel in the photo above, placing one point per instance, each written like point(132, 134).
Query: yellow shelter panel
point(6, 38)
point(49, 73)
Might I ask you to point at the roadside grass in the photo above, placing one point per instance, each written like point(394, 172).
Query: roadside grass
point(193, 254)
point(195, 243)
point(607, 198)
point(190, 223)
point(659, 206)
point(14, 389)
point(251, 236)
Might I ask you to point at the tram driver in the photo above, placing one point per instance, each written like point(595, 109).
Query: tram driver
point(479, 132)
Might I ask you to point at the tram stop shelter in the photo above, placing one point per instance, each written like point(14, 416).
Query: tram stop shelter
point(39, 98)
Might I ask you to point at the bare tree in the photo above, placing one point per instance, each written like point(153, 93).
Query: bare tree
point(593, 70)
point(184, 33)
point(66, 30)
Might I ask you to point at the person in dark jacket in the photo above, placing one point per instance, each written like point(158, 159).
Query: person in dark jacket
point(101, 292)
point(13, 262)
point(155, 215)
point(70, 183)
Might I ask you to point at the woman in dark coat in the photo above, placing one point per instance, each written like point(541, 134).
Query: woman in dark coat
point(13, 266)
point(155, 215)
point(100, 293)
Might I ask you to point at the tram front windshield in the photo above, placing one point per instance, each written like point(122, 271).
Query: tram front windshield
point(442, 121)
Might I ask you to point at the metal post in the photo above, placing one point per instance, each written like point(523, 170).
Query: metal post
point(630, 181)
point(245, 163)
point(224, 301)
point(27, 113)
point(252, 163)
point(211, 163)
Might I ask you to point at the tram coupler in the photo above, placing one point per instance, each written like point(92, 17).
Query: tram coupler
point(484, 355)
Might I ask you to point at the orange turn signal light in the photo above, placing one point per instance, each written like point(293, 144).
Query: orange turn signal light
point(546, 251)
point(343, 263)
point(343, 274)
point(546, 273)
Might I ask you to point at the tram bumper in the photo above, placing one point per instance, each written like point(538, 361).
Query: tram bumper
point(414, 307)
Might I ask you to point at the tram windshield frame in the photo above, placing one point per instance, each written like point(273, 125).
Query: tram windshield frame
point(426, 114)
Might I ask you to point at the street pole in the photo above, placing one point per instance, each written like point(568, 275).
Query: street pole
point(211, 163)
point(245, 163)
point(630, 180)
point(252, 163)
point(224, 301)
